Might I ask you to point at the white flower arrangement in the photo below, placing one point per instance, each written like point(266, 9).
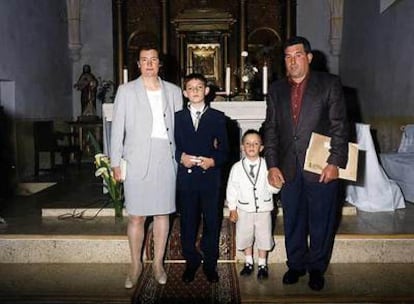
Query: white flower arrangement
point(115, 188)
point(249, 70)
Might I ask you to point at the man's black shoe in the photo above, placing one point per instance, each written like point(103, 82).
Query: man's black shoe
point(211, 275)
point(292, 276)
point(247, 269)
point(316, 280)
point(263, 272)
point(189, 274)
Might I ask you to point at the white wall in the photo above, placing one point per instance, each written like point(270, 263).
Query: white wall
point(375, 62)
point(312, 22)
point(33, 52)
point(34, 56)
point(377, 56)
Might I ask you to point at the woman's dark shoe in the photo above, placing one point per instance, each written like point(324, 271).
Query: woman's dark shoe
point(292, 276)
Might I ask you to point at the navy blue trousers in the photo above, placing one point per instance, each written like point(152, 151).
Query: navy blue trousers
point(309, 210)
point(194, 206)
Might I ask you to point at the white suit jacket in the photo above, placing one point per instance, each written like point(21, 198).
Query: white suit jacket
point(132, 123)
point(241, 193)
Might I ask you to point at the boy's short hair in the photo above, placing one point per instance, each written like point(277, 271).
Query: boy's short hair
point(192, 76)
point(251, 131)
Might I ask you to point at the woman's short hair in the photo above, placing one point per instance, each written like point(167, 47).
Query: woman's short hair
point(146, 47)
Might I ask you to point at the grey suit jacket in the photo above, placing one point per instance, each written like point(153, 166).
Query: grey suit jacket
point(132, 123)
point(323, 111)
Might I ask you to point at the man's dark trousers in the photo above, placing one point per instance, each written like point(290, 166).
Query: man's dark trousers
point(309, 208)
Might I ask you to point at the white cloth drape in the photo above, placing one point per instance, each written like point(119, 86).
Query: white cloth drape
point(400, 166)
point(373, 191)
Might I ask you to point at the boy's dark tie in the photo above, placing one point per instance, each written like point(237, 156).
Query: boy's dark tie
point(197, 119)
point(251, 173)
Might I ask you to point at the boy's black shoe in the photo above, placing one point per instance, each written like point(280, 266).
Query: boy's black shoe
point(211, 275)
point(263, 272)
point(189, 274)
point(292, 276)
point(247, 269)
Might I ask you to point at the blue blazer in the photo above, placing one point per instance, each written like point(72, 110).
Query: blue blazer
point(210, 140)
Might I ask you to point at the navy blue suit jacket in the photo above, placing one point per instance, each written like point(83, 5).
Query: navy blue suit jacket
point(210, 140)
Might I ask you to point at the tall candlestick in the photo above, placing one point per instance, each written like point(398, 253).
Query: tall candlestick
point(227, 82)
point(125, 75)
point(265, 79)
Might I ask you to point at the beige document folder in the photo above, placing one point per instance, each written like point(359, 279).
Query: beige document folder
point(318, 153)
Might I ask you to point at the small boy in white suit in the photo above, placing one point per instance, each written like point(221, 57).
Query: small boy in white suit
point(250, 201)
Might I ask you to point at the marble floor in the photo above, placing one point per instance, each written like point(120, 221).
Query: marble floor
point(102, 283)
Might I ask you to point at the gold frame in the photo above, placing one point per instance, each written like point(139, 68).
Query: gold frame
point(205, 59)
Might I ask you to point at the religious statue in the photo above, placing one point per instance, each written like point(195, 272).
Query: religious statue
point(87, 84)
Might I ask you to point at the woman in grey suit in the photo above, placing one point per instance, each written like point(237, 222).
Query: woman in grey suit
point(143, 134)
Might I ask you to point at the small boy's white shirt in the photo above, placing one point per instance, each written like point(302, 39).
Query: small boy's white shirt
point(256, 162)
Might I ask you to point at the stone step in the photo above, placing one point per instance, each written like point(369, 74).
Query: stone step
point(103, 240)
point(55, 212)
point(348, 248)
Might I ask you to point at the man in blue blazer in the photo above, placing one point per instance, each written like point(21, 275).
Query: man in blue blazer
point(201, 151)
point(305, 102)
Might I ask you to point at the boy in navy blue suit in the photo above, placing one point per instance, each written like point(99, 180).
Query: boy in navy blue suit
point(202, 150)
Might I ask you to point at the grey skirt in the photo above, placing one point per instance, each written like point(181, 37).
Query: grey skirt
point(155, 193)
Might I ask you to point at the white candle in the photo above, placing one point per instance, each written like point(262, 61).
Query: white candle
point(227, 82)
point(125, 75)
point(265, 79)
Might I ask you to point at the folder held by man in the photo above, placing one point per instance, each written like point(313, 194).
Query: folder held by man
point(318, 152)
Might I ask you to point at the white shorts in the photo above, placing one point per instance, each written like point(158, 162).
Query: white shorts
point(254, 227)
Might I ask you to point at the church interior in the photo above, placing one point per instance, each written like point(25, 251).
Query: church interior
point(60, 243)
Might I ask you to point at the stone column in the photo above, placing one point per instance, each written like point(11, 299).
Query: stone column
point(336, 18)
point(74, 43)
point(335, 34)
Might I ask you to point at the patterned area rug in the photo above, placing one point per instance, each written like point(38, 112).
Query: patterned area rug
point(227, 247)
point(200, 291)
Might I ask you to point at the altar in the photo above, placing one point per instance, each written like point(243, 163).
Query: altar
point(247, 114)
